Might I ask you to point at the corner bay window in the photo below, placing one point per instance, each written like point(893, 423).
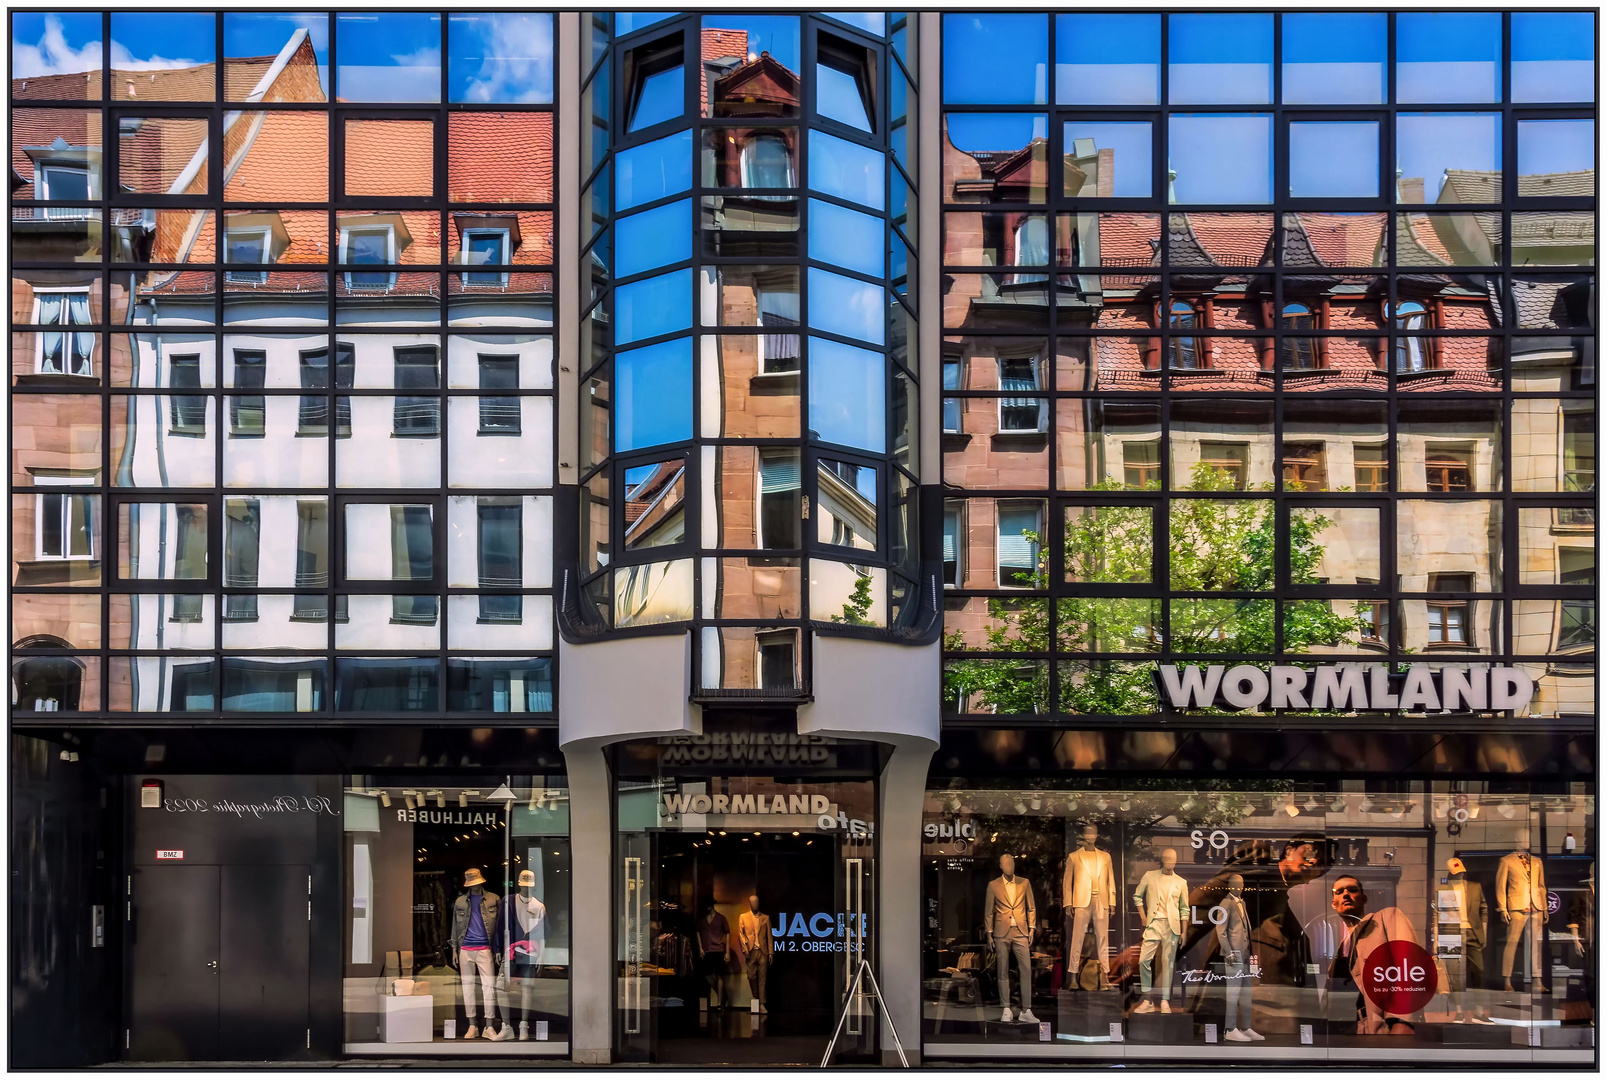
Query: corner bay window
point(64, 352)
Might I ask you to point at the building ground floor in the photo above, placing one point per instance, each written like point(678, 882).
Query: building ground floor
point(749, 895)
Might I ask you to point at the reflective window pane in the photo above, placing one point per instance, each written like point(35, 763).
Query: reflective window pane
point(1024, 38)
point(745, 56)
point(48, 47)
point(1335, 160)
point(249, 36)
point(847, 395)
point(847, 306)
point(500, 57)
point(657, 305)
point(1436, 151)
point(653, 170)
point(1334, 58)
point(388, 56)
point(1221, 158)
point(1444, 57)
point(993, 140)
point(653, 395)
point(1553, 56)
point(1109, 159)
point(847, 238)
point(170, 53)
point(853, 173)
point(653, 238)
point(1219, 59)
point(1107, 59)
point(1556, 158)
point(655, 504)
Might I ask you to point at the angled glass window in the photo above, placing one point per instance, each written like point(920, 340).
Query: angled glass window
point(971, 40)
point(654, 306)
point(847, 238)
point(653, 238)
point(660, 95)
point(1107, 59)
point(1447, 56)
point(388, 56)
point(871, 22)
point(856, 174)
point(653, 170)
point(1126, 172)
point(1334, 58)
point(1221, 157)
point(655, 504)
point(653, 395)
point(846, 513)
point(1458, 150)
point(628, 22)
point(500, 57)
point(842, 90)
point(1553, 56)
point(1556, 158)
point(847, 395)
point(1219, 59)
point(846, 306)
point(1333, 160)
point(780, 500)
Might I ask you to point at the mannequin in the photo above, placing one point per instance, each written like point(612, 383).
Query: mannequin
point(1462, 916)
point(523, 934)
point(1162, 899)
point(474, 920)
point(1088, 890)
point(758, 949)
point(1582, 929)
point(1009, 921)
point(1233, 936)
point(1520, 897)
point(714, 951)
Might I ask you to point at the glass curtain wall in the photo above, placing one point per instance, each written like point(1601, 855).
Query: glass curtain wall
point(458, 899)
point(281, 362)
point(747, 424)
point(1289, 356)
point(1186, 922)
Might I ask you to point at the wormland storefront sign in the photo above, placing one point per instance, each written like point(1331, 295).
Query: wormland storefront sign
point(1346, 687)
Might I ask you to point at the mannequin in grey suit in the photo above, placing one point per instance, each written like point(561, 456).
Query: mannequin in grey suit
point(1009, 920)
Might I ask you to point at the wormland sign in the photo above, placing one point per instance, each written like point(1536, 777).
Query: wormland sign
point(1346, 687)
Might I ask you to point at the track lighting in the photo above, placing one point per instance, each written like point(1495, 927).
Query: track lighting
point(463, 798)
point(385, 798)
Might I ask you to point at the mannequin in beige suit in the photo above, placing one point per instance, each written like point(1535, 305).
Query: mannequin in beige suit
point(1088, 894)
point(1520, 897)
point(1009, 921)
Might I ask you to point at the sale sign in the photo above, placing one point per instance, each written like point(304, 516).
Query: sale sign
point(1399, 977)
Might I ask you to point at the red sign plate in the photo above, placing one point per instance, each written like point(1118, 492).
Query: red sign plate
point(1400, 977)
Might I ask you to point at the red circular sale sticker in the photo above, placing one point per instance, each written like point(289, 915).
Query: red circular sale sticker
point(1399, 977)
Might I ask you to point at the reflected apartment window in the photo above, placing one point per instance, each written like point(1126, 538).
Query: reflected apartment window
point(951, 405)
point(1413, 353)
point(499, 415)
point(500, 556)
point(1021, 414)
point(417, 367)
point(1299, 353)
point(1578, 625)
point(242, 546)
point(780, 500)
point(1020, 532)
point(1141, 465)
point(370, 246)
point(778, 660)
point(485, 247)
point(1302, 466)
point(313, 417)
point(312, 559)
point(1579, 451)
point(1226, 460)
point(189, 560)
point(767, 163)
point(62, 351)
point(778, 345)
point(1032, 247)
point(65, 183)
point(246, 246)
point(64, 526)
point(188, 411)
point(1372, 468)
point(953, 545)
point(1183, 351)
point(1447, 471)
point(248, 413)
point(413, 559)
point(1447, 618)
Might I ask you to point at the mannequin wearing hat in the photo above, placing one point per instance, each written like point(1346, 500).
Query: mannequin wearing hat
point(1462, 916)
point(523, 932)
point(474, 919)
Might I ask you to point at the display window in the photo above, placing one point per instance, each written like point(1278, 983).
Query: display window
point(458, 901)
point(1354, 921)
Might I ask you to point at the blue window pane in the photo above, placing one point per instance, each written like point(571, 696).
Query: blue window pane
point(1553, 56)
point(660, 305)
point(500, 57)
point(628, 22)
point(1334, 58)
point(249, 34)
point(1219, 59)
point(842, 305)
point(777, 35)
point(662, 97)
point(1108, 59)
point(846, 238)
point(58, 43)
point(391, 57)
point(837, 97)
point(1427, 145)
point(1221, 158)
point(1132, 158)
point(872, 22)
point(653, 170)
point(1547, 148)
point(847, 395)
point(141, 40)
point(1333, 160)
point(1447, 56)
point(969, 40)
point(851, 172)
point(653, 395)
point(656, 237)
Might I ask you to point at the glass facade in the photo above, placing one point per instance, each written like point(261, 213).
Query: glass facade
point(532, 540)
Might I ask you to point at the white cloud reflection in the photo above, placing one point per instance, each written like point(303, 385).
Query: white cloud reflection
point(501, 58)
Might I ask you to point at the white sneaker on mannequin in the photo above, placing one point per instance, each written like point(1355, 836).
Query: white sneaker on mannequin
point(1166, 1007)
point(1026, 1017)
point(472, 1033)
point(1236, 1036)
point(1255, 1036)
point(1145, 1006)
point(503, 1033)
point(524, 1031)
point(1007, 1017)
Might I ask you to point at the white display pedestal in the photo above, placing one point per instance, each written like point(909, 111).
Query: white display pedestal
point(408, 1019)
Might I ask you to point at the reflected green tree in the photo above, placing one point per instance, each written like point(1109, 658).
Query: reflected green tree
point(1217, 544)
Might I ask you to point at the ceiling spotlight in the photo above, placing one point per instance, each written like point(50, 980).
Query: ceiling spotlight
point(463, 798)
point(1036, 802)
point(1366, 806)
point(440, 800)
point(1338, 805)
point(1188, 805)
point(1312, 805)
point(1071, 805)
point(1125, 805)
point(1508, 810)
point(385, 798)
point(1021, 807)
point(954, 803)
point(1102, 804)
point(1291, 808)
point(408, 799)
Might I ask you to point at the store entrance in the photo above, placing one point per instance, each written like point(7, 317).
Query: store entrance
point(704, 885)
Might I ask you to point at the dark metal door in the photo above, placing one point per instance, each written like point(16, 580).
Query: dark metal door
point(173, 1000)
point(263, 953)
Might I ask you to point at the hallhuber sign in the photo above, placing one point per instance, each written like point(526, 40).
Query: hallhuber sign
point(1346, 687)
